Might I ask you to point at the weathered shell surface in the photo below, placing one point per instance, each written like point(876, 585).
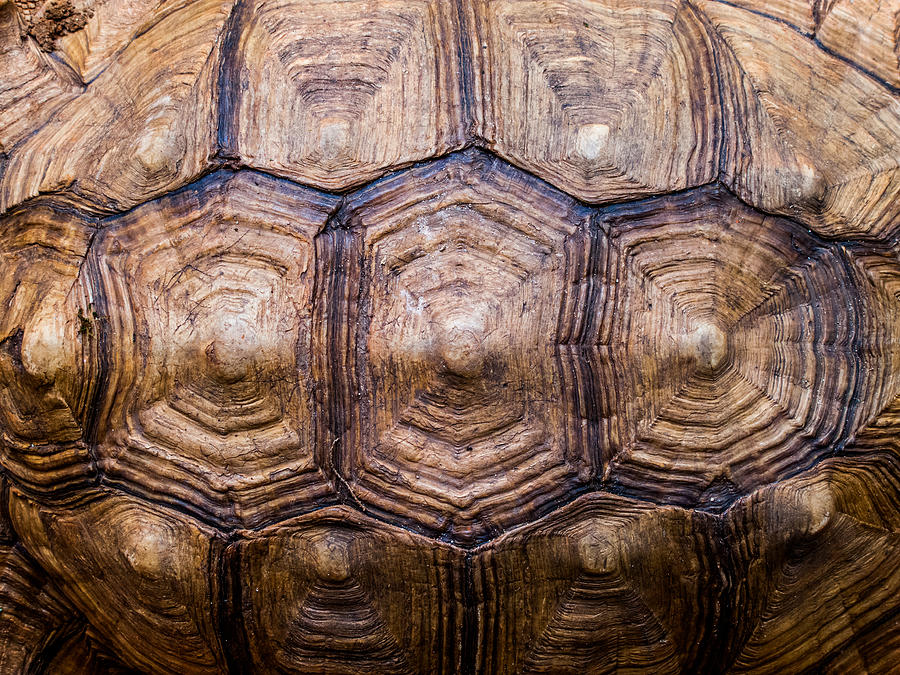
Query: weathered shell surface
point(426, 336)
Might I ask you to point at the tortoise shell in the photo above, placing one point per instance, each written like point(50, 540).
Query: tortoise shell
point(432, 336)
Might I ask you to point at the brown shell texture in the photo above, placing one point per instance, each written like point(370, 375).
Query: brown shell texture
point(450, 336)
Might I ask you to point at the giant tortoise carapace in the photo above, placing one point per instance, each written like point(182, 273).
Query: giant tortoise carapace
point(450, 336)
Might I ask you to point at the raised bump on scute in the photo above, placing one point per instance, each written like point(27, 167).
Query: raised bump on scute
point(48, 342)
point(810, 184)
point(160, 149)
point(599, 551)
point(332, 557)
point(707, 344)
point(460, 339)
point(334, 137)
point(592, 140)
point(235, 348)
point(148, 547)
point(808, 509)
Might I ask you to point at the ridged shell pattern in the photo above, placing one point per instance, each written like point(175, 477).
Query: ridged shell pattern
point(416, 336)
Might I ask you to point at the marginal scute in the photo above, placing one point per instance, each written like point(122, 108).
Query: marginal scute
point(49, 363)
point(333, 94)
point(464, 263)
point(604, 583)
point(337, 592)
point(33, 611)
point(209, 294)
point(866, 32)
point(793, 120)
point(155, 579)
point(585, 93)
point(142, 127)
point(803, 15)
point(110, 27)
point(32, 86)
point(823, 545)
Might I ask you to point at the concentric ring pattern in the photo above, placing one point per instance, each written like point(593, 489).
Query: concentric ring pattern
point(479, 336)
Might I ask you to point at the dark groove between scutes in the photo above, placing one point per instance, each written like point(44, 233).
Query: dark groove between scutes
point(334, 222)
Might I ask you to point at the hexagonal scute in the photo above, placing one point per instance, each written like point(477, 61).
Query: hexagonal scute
point(337, 592)
point(607, 100)
point(349, 89)
point(138, 573)
point(208, 294)
point(451, 327)
point(738, 347)
point(49, 359)
point(605, 584)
